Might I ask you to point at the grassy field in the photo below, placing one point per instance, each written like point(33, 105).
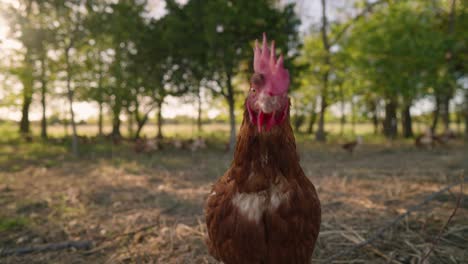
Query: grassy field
point(110, 195)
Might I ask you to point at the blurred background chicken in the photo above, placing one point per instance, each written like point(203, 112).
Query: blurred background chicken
point(197, 144)
point(430, 140)
point(264, 209)
point(351, 146)
point(144, 145)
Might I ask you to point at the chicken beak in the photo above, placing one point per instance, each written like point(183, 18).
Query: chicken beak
point(267, 105)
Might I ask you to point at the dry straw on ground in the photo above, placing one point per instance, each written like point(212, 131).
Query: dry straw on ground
point(148, 209)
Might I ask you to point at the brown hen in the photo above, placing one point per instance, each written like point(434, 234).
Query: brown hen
point(264, 209)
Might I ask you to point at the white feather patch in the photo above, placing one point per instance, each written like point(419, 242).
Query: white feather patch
point(277, 196)
point(250, 205)
point(253, 205)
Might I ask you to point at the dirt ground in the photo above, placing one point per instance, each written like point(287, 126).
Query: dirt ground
point(148, 208)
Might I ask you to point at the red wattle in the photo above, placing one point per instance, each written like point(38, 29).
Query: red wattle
point(251, 115)
point(271, 121)
point(284, 115)
point(260, 121)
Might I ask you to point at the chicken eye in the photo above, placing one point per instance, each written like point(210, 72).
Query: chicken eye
point(253, 90)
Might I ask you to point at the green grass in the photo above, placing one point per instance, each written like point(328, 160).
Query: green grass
point(214, 130)
point(18, 154)
point(8, 132)
point(7, 224)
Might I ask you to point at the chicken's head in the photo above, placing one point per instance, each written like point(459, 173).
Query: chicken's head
point(267, 102)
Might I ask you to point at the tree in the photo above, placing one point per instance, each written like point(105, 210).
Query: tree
point(400, 53)
point(119, 24)
point(99, 54)
point(45, 39)
point(459, 58)
point(330, 38)
point(320, 134)
point(306, 98)
point(70, 38)
point(96, 78)
point(158, 68)
point(32, 25)
point(23, 20)
point(226, 29)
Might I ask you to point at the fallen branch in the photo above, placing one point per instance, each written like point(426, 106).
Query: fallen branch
point(391, 223)
point(86, 244)
point(130, 233)
point(439, 236)
point(356, 239)
point(147, 227)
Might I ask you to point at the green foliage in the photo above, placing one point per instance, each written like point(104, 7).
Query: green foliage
point(398, 50)
point(221, 33)
point(401, 51)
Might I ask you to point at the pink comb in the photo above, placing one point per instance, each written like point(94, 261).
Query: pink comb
point(276, 77)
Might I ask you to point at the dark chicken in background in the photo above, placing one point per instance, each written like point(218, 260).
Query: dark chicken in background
point(351, 146)
point(264, 209)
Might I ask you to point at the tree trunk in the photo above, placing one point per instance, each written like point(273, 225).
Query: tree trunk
point(406, 121)
point(466, 124)
point(100, 100)
point(199, 117)
point(342, 105)
point(130, 123)
point(298, 121)
point(118, 94)
point(342, 123)
point(375, 116)
point(116, 120)
point(70, 101)
point(24, 123)
point(375, 121)
point(74, 135)
point(44, 118)
point(435, 114)
point(459, 120)
point(138, 131)
point(100, 120)
point(390, 122)
point(160, 120)
point(321, 135)
point(445, 112)
point(466, 115)
point(313, 118)
point(140, 123)
point(450, 59)
point(27, 81)
point(43, 99)
point(232, 114)
point(353, 117)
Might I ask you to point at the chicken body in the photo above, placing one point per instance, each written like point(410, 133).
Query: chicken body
point(263, 209)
